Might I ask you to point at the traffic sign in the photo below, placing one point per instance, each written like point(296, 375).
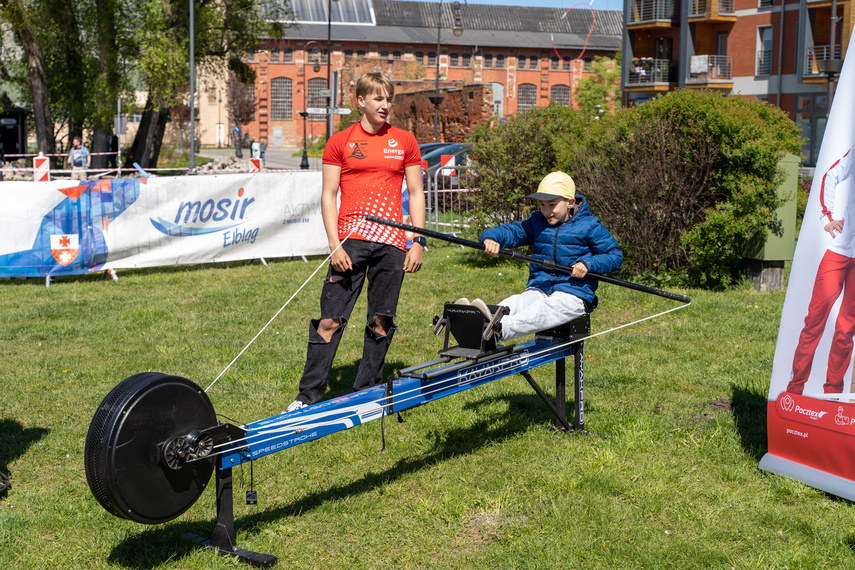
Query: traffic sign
point(316, 110)
point(342, 111)
point(325, 93)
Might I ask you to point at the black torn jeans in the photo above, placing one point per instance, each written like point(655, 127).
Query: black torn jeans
point(383, 266)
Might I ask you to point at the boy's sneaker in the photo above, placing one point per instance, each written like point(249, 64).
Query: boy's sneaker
point(295, 405)
point(462, 301)
point(479, 304)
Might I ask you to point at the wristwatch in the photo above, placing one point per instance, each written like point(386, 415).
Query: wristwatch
point(420, 240)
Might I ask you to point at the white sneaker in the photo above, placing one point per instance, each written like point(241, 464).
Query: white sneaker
point(462, 301)
point(295, 405)
point(479, 304)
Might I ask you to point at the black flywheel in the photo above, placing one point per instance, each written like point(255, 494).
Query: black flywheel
point(124, 456)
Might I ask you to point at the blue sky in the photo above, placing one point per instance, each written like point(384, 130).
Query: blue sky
point(598, 4)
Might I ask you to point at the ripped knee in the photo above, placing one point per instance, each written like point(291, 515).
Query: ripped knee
point(381, 324)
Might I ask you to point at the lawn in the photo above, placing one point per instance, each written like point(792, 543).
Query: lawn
point(480, 479)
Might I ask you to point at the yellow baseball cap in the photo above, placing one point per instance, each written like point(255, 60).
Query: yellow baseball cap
point(555, 185)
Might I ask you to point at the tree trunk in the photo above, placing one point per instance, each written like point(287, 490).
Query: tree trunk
point(149, 138)
point(35, 76)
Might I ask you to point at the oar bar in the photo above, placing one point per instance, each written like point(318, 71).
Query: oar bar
point(517, 256)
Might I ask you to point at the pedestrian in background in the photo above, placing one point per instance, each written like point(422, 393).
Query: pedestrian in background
point(79, 160)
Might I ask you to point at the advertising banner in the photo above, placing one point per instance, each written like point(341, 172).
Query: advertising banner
point(67, 228)
point(810, 412)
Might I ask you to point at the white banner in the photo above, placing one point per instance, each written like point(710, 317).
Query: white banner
point(810, 409)
point(127, 223)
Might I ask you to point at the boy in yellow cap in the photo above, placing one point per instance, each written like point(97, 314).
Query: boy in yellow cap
point(563, 231)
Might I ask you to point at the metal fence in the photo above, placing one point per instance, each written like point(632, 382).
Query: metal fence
point(449, 199)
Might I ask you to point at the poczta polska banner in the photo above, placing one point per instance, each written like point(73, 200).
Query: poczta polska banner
point(811, 404)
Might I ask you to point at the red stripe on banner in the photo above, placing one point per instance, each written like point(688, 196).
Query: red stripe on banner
point(821, 444)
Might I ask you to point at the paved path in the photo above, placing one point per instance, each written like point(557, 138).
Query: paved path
point(280, 157)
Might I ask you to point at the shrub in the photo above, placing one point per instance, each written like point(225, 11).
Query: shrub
point(512, 157)
point(683, 181)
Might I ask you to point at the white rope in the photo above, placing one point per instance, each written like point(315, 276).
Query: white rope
point(285, 305)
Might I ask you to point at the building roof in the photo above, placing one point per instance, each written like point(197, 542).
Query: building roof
point(405, 21)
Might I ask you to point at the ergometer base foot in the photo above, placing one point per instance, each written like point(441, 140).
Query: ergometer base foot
point(257, 559)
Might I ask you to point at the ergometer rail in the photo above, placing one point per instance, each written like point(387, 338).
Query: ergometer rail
point(517, 256)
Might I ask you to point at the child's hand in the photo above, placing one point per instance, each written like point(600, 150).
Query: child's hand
point(491, 247)
point(831, 227)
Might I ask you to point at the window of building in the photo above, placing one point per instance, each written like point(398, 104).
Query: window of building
point(274, 56)
point(488, 60)
point(764, 50)
point(500, 62)
point(250, 56)
point(565, 65)
point(384, 54)
point(420, 57)
point(553, 63)
point(589, 63)
point(314, 98)
point(466, 60)
point(325, 57)
point(281, 99)
point(396, 55)
point(526, 97)
point(560, 94)
point(766, 3)
point(288, 55)
point(348, 54)
point(360, 53)
point(431, 59)
point(454, 60)
point(533, 62)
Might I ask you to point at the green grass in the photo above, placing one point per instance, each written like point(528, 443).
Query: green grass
point(474, 480)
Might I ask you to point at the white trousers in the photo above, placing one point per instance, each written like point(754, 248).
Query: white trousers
point(533, 311)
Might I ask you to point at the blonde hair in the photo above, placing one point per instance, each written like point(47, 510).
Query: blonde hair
point(371, 82)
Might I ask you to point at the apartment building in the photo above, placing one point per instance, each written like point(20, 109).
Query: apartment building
point(529, 56)
point(776, 50)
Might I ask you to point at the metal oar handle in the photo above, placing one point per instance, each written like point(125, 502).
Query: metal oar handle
point(517, 256)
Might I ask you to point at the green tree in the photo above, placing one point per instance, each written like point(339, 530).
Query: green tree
point(602, 88)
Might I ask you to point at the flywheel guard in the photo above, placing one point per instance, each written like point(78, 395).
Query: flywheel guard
point(123, 456)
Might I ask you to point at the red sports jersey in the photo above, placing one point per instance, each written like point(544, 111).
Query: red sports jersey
point(372, 174)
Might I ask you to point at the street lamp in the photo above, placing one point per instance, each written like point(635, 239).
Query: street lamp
point(192, 162)
point(329, 66)
point(457, 27)
point(238, 152)
point(304, 163)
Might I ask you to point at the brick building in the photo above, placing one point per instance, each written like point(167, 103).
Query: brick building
point(765, 49)
point(519, 57)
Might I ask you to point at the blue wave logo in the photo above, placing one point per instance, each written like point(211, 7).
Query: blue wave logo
point(193, 218)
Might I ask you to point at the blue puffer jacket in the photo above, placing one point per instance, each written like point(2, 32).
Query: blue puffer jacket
point(582, 238)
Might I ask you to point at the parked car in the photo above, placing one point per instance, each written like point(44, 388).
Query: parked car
point(425, 148)
point(458, 150)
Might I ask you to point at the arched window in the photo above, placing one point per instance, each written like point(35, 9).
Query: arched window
point(500, 62)
point(560, 94)
point(281, 99)
point(274, 55)
point(454, 60)
point(526, 97)
point(431, 59)
point(314, 98)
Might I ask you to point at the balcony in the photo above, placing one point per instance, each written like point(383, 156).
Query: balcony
point(710, 70)
point(649, 72)
point(655, 12)
point(712, 11)
point(814, 54)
